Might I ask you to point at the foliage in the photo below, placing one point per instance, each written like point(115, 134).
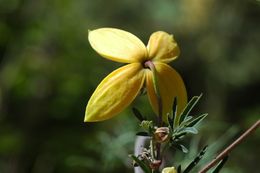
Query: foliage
point(170, 135)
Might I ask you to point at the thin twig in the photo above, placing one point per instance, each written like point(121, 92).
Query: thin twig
point(230, 147)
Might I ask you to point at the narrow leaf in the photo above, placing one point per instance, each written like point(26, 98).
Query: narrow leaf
point(188, 118)
point(186, 121)
point(174, 113)
point(220, 165)
point(179, 135)
point(196, 160)
point(189, 107)
point(144, 167)
point(192, 130)
point(138, 114)
point(196, 120)
point(170, 120)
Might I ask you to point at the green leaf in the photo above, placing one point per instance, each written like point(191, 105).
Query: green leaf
point(179, 135)
point(189, 107)
point(192, 130)
point(220, 165)
point(174, 113)
point(170, 121)
point(196, 160)
point(188, 118)
point(144, 167)
point(196, 120)
point(138, 114)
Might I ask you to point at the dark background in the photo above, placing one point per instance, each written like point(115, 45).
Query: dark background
point(48, 72)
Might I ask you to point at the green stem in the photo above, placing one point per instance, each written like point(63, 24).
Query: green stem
point(151, 66)
point(152, 148)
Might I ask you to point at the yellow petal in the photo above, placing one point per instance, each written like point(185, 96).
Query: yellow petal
point(115, 92)
point(162, 47)
point(169, 170)
point(170, 86)
point(117, 45)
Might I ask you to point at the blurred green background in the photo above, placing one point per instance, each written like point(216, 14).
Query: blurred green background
point(48, 72)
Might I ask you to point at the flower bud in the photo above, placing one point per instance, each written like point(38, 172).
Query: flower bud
point(155, 164)
point(169, 170)
point(161, 134)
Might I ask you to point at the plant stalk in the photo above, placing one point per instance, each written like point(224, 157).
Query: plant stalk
point(230, 147)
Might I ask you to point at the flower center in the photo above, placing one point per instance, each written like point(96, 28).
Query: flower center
point(149, 64)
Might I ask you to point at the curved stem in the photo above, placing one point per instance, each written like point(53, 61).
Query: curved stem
point(151, 66)
point(230, 147)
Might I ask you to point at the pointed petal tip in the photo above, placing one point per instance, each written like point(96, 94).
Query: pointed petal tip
point(89, 116)
point(85, 120)
point(88, 119)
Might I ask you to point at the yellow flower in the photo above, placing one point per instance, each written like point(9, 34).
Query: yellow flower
point(169, 170)
point(122, 86)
